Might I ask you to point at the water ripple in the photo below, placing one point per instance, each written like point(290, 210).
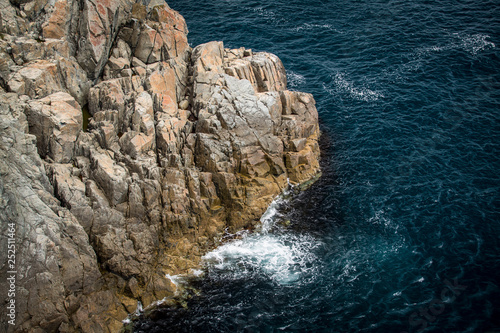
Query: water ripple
point(408, 208)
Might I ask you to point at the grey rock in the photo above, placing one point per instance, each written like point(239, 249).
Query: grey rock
point(181, 145)
point(56, 120)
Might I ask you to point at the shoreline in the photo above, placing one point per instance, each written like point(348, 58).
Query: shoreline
point(185, 289)
point(137, 152)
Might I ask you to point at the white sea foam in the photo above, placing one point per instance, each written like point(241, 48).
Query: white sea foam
point(196, 272)
point(380, 217)
point(294, 80)
point(282, 257)
point(139, 310)
point(269, 15)
point(176, 279)
point(342, 85)
point(311, 26)
point(472, 44)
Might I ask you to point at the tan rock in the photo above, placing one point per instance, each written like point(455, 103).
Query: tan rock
point(269, 72)
point(71, 191)
point(170, 132)
point(116, 67)
point(265, 71)
point(114, 95)
point(56, 120)
point(56, 26)
point(149, 46)
point(12, 23)
point(208, 57)
point(135, 144)
point(143, 117)
point(181, 145)
point(74, 78)
point(56, 262)
point(139, 11)
point(33, 8)
point(161, 85)
point(98, 25)
point(36, 80)
point(110, 176)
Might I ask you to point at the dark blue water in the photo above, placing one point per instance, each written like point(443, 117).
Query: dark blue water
point(402, 233)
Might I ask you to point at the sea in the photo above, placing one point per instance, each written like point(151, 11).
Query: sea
point(402, 231)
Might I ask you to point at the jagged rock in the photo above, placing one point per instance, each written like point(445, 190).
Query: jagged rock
point(56, 26)
point(56, 121)
point(269, 72)
point(11, 103)
point(12, 23)
point(24, 50)
point(74, 78)
point(135, 144)
point(98, 28)
point(33, 7)
point(161, 84)
point(55, 261)
point(265, 71)
point(181, 145)
point(114, 94)
point(111, 177)
point(70, 189)
point(143, 117)
point(43, 77)
point(208, 57)
point(248, 133)
point(36, 80)
point(160, 38)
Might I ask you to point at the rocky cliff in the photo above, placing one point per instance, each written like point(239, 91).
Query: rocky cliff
point(125, 154)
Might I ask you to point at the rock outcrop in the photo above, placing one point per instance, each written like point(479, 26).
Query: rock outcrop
point(182, 144)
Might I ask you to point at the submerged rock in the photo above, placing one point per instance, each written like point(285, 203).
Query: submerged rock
point(182, 144)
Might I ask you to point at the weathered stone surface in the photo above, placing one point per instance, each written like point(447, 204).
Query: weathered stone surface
point(12, 23)
point(57, 25)
point(37, 80)
point(159, 38)
point(54, 259)
point(247, 136)
point(110, 176)
point(114, 94)
point(44, 77)
point(264, 70)
point(181, 145)
point(56, 121)
point(161, 84)
point(98, 27)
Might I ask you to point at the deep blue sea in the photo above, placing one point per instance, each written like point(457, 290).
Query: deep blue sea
point(402, 232)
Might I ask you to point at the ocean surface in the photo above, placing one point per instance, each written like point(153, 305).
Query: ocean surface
point(402, 232)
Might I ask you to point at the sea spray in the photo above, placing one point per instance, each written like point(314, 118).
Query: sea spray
point(277, 253)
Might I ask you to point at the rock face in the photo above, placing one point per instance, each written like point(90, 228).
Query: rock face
point(182, 144)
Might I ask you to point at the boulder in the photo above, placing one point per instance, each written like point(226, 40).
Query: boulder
point(265, 71)
point(98, 27)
